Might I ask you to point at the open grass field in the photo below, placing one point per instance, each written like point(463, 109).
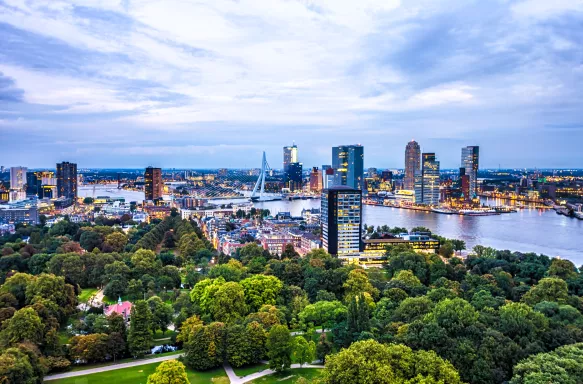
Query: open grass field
point(139, 375)
point(128, 360)
point(290, 376)
point(86, 294)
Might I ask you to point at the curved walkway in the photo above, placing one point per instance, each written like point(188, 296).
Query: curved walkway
point(112, 367)
point(234, 379)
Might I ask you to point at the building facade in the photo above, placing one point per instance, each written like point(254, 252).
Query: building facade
point(412, 164)
point(471, 163)
point(316, 180)
point(293, 176)
point(67, 180)
point(348, 164)
point(341, 220)
point(427, 181)
point(153, 185)
point(290, 155)
point(17, 178)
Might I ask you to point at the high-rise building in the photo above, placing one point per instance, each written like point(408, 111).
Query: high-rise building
point(412, 164)
point(17, 178)
point(327, 176)
point(348, 164)
point(67, 180)
point(153, 185)
point(316, 180)
point(293, 176)
point(33, 183)
point(290, 155)
point(471, 162)
point(465, 184)
point(426, 182)
point(341, 220)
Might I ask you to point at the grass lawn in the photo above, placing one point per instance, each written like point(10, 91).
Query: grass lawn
point(249, 369)
point(139, 375)
point(86, 294)
point(289, 377)
point(128, 360)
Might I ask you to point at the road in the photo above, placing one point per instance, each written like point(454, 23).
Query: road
point(112, 367)
point(234, 379)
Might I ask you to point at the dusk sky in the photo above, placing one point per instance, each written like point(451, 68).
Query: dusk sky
point(206, 84)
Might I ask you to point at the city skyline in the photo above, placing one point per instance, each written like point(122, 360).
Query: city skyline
point(109, 84)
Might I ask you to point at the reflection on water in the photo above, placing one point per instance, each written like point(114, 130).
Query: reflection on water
point(528, 230)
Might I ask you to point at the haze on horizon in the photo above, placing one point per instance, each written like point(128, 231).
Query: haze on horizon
point(131, 83)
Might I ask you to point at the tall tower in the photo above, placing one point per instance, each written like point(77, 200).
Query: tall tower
point(17, 178)
point(341, 220)
point(471, 163)
point(290, 155)
point(153, 185)
point(427, 181)
point(348, 164)
point(67, 180)
point(412, 164)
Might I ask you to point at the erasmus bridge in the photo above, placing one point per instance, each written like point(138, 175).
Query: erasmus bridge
point(259, 193)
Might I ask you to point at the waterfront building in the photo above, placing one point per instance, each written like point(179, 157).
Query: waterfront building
point(427, 181)
point(327, 176)
point(316, 180)
point(153, 185)
point(471, 163)
point(412, 164)
point(465, 184)
point(17, 178)
point(293, 177)
point(67, 180)
point(341, 220)
point(290, 155)
point(348, 164)
point(376, 248)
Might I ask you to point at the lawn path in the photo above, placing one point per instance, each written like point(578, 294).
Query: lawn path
point(234, 379)
point(111, 367)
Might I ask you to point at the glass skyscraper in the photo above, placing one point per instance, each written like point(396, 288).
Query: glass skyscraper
point(290, 155)
point(471, 163)
point(67, 180)
point(426, 181)
point(341, 220)
point(348, 164)
point(412, 164)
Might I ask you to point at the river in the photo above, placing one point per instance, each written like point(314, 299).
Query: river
point(528, 230)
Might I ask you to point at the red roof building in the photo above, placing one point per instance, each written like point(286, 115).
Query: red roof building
point(123, 308)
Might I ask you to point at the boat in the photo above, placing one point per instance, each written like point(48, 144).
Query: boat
point(472, 212)
point(445, 211)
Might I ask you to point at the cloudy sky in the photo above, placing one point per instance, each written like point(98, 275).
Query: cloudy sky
point(186, 83)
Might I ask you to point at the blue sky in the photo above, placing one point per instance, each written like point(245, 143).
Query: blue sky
point(184, 83)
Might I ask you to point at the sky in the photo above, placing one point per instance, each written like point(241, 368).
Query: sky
point(204, 84)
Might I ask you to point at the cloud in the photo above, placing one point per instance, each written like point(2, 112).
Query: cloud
point(319, 72)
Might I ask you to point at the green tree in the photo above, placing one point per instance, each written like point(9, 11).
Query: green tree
point(15, 367)
point(358, 283)
point(304, 352)
point(260, 290)
point(89, 348)
point(324, 347)
point(371, 362)
point(169, 372)
point(561, 366)
point(90, 240)
point(279, 348)
point(162, 314)
point(563, 269)
point(140, 334)
point(115, 242)
point(454, 315)
point(25, 325)
point(324, 313)
point(547, 289)
point(229, 303)
point(204, 346)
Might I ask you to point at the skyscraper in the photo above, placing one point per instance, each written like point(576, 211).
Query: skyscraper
point(290, 155)
point(293, 176)
point(327, 176)
point(17, 178)
point(412, 164)
point(470, 161)
point(348, 164)
point(427, 181)
point(153, 185)
point(315, 180)
point(341, 220)
point(67, 180)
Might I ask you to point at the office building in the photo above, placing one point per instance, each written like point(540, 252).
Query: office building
point(427, 181)
point(33, 184)
point(17, 178)
point(316, 180)
point(293, 176)
point(153, 185)
point(348, 164)
point(412, 164)
point(327, 176)
point(471, 163)
point(464, 183)
point(67, 180)
point(290, 155)
point(21, 211)
point(341, 220)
